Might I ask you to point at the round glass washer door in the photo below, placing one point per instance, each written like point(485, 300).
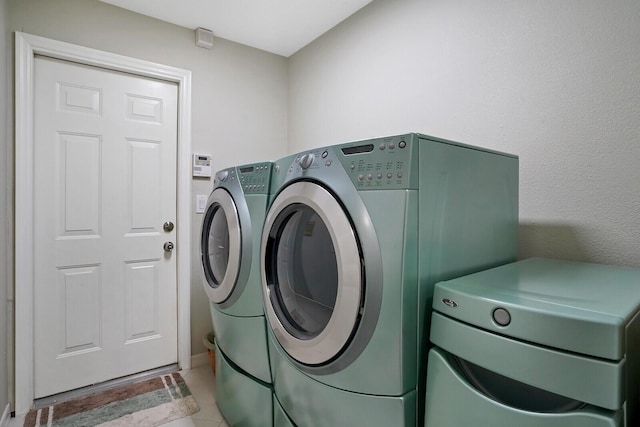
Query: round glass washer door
point(220, 245)
point(312, 273)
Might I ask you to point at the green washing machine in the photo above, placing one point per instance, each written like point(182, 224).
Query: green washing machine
point(536, 343)
point(354, 239)
point(230, 245)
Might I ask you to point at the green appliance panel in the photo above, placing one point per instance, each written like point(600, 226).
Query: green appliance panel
point(244, 341)
point(311, 403)
point(596, 381)
point(280, 417)
point(453, 402)
point(566, 327)
point(250, 302)
point(436, 210)
point(243, 401)
point(579, 307)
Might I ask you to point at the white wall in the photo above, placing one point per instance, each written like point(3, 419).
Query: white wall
point(557, 83)
point(5, 225)
point(239, 93)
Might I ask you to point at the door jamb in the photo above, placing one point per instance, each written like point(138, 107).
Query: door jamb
point(26, 47)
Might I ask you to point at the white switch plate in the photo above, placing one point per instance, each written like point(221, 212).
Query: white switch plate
point(201, 203)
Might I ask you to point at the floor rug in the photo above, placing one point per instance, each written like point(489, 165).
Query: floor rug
point(150, 402)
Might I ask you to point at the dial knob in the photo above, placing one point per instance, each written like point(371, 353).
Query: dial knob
point(306, 161)
point(223, 175)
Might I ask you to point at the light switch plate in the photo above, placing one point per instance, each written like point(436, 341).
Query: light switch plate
point(201, 203)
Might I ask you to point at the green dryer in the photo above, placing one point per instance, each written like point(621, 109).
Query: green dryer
point(229, 248)
point(536, 343)
point(353, 241)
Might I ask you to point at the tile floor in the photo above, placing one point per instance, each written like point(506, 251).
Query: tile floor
point(202, 385)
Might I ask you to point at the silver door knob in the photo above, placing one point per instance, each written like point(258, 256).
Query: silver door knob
point(167, 226)
point(168, 246)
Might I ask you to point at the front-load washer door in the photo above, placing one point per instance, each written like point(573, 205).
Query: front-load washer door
point(220, 245)
point(312, 273)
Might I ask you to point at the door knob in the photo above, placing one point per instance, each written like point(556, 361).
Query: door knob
point(168, 226)
point(168, 246)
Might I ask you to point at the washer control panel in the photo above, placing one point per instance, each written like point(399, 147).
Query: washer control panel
point(382, 163)
point(376, 164)
point(253, 178)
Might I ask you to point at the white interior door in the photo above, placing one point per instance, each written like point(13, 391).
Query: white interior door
point(105, 290)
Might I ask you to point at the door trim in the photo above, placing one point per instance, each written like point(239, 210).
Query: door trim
point(26, 47)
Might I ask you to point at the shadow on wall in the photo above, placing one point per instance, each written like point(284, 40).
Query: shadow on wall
point(549, 240)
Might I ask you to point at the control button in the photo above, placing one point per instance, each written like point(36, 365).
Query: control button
point(325, 154)
point(369, 177)
point(399, 175)
point(501, 316)
point(379, 176)
point(382, 147)
point(389, 175)
point(327, 163)
point(352, 166)
point(402, 144)
point(392, 146)
point(360, 177)
point(277, 168)
point(306, 161)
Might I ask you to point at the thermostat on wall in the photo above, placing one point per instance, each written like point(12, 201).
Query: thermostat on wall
point(202, 165)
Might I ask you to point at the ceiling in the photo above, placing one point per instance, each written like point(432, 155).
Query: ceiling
point(278, 26)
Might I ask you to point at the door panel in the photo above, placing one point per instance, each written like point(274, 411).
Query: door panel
point(105, 295)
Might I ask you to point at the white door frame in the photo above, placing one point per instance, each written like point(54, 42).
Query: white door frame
point(27, 46)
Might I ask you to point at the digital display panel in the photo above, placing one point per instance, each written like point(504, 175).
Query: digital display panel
point(358, 149)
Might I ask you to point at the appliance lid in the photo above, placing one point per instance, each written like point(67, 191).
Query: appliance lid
point(578, 307)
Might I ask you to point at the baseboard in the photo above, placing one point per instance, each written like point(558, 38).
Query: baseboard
point(6, 416)
point(199, 360)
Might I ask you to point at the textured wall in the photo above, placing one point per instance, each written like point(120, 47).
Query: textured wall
point(239, 96)
point(553, 82)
